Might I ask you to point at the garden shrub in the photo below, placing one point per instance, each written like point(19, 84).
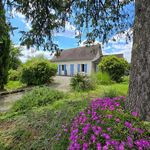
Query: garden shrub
point(125, 79)
point(14, 75)
point(116, 67)
point(105, 125)
point(39, 96)
point(102, 78)
point(81, 83)
point(38, 71)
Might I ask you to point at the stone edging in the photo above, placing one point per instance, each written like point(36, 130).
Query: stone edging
point(15, 91)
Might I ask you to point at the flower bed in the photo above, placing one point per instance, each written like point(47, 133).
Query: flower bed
point(104, 125)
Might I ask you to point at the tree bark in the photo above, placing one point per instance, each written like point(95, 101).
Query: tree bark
point(139, 86)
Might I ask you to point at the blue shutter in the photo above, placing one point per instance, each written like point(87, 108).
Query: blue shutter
point(71, 69)
point(59, 72)
point(85, 68)
point(65, 69)
point(57, 69)
point(78, 67)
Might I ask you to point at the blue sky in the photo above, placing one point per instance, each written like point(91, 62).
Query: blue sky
point(67, 39)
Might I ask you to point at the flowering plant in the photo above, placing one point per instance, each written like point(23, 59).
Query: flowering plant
point(105, 125)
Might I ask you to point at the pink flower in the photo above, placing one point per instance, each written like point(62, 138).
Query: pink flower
point(128, 124)
point(117, 120)
point(121, 146)
point(85, 146)
point(105, 147)
point(108, 129)
point(129, 142)
point(106, 136)
point(135, 114)
point(93, 138)
point(65, 130)
point(109, 116)
point(99, 147)
point(112, 107)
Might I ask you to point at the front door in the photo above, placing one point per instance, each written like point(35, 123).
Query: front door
point(71, 69)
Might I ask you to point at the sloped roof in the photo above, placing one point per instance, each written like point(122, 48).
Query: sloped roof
point(80, 53)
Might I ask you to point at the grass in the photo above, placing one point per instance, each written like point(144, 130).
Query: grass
point(13, 85)
point(37, 128)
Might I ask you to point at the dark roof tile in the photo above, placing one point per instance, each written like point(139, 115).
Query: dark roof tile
point(80, 53)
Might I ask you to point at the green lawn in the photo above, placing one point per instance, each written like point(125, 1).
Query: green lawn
point(37, 128)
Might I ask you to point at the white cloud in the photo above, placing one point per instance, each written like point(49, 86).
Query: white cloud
point(32, 52)
point(117, 49)
point(83, 43)
point(121, 45)
point(22, 18)
point(70, 31)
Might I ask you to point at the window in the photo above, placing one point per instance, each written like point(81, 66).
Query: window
point(82, 68)
point(63, 67)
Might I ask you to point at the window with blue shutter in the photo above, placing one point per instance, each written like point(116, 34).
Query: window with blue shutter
point(85, 68)
point(78, 67)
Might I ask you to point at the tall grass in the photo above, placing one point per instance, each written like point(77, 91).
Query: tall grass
point(102, 78)
point(82, 83)
point(40, 96)
point(111, 93)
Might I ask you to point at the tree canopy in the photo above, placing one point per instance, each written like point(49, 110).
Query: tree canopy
point(95, 18)
point(4, 47)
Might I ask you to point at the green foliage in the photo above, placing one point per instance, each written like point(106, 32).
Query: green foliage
point(4, 47)
point(81, 83)
point(41, 32)
point(14, 61)
point(102, 78)
point(38, 71)
point(40, 96)
point(45, 123)
point(125, 79)
point(12, 85)
point(20, 135)
point(101, 18)
point(13, 75)
point(111, 93)
point(115, 66)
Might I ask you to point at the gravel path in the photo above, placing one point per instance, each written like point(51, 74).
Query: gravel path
point(7, 101)
point(61, 83)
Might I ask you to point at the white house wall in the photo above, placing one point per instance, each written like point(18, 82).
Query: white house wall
point(89, 66)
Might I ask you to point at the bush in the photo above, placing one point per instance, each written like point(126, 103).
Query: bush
point(105, 125)
point(81, 83)
point(38, 71)
point(40, 96)
point(14, 75)
point(102, 78)
point(125, 79)
point(116, 67)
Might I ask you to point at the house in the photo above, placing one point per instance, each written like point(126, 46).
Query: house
point(79, 60)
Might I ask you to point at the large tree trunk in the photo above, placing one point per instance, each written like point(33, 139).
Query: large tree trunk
point(139, 87)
